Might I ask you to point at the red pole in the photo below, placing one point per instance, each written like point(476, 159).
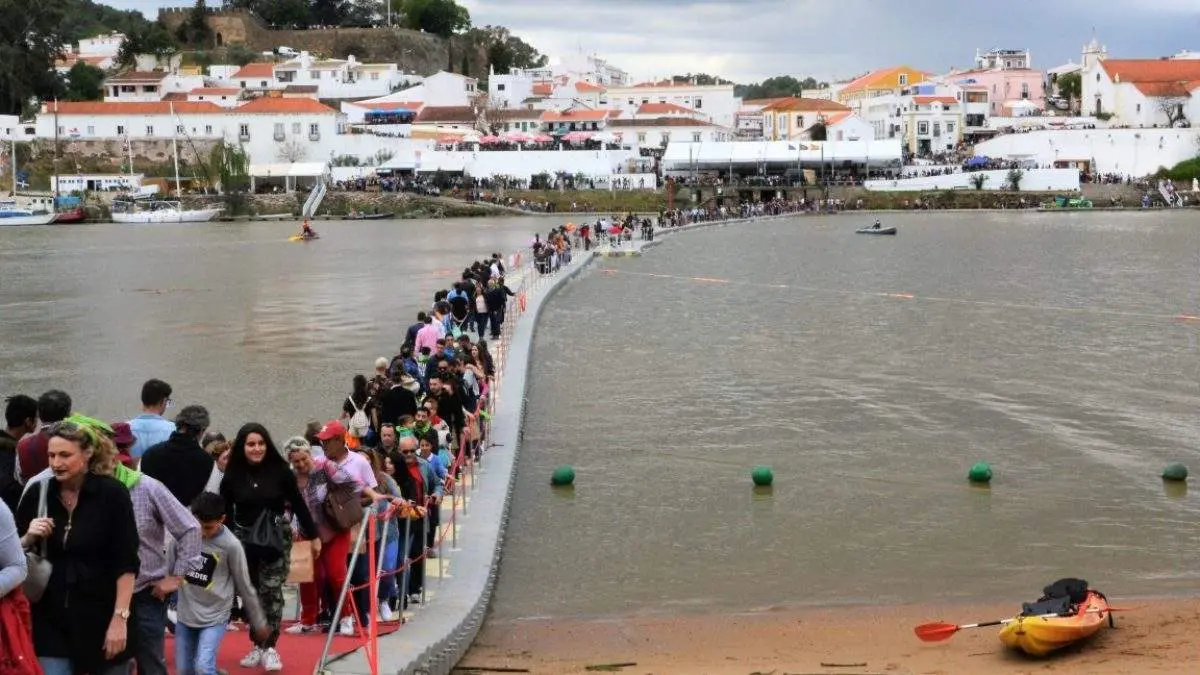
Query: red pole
point(373, 603)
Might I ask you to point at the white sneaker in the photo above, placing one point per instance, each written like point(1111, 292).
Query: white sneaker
point(299, 629)
point(346, 626)
point(253, 659)
point(271, 661)
point(386, 613)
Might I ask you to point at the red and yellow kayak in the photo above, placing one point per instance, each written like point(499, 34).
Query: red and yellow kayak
point(1040, 635)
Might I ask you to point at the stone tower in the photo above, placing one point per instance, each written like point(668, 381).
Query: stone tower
point(1093, 52)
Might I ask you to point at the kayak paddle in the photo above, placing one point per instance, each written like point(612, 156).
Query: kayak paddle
point(938, 631)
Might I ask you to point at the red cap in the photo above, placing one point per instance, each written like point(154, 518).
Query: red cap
point(123, 434)
point(332, 429)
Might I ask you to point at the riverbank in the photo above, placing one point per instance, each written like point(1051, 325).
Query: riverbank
point(1157, 636)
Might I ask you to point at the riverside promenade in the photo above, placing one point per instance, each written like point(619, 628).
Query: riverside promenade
point(462, 578)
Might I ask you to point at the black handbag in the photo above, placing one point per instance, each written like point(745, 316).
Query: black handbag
point(264, 539)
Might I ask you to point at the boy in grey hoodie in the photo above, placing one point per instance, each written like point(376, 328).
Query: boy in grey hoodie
point(206, 596)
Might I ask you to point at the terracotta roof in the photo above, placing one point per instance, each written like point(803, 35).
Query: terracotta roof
point(256, 70)
point(587, 87)
point(391, 105)
point(215, 91)
point(284, 105)
point(575, 115)
point(1152, 70)
point(543, 89)
point(1167, 89)
point(837, 117)
point(133, 107)
point(663, 109)
point(661, 122)
point(138, 76)
point(796, 104)
point(448, 113)
point(926, 100)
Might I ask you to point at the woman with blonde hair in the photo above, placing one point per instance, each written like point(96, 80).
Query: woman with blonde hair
point(82, 503)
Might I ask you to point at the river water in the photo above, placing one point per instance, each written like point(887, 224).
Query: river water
point(233, 315)
point(1046, 344)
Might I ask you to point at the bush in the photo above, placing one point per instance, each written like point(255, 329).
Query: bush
point(1185, 170)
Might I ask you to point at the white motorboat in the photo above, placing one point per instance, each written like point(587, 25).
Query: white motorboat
point(11, 214)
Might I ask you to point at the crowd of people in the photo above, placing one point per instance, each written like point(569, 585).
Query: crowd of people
point(115, 534)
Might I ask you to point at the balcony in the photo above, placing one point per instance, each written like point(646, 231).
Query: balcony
point(314, 136)
point(280, 136)
point(245, 138)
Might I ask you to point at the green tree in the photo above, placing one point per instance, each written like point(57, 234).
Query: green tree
point(196, 31)
point(702, 79)
point(777, 87)
point(1014, 179)
point(240, 55)
point(30, 42)
point(439, 17)
point(818, 132)
point(1070, 86)
point(278, 13)
point(150, 38)
point(84, 82)
point(328, 12)
point(506, 51)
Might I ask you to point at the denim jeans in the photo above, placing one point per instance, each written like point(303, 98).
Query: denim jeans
point(57, 666)
point(196, 649)
point(150, 616)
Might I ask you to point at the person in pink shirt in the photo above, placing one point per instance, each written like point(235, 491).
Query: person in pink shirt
point(427, 336)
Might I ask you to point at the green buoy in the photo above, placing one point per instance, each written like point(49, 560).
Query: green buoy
point(762, 476)
point(1175, 471)
point(563, 475)
point(981, 472)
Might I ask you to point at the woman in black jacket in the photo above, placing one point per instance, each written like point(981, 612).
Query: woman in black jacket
point(259, 489)
point(81, 623)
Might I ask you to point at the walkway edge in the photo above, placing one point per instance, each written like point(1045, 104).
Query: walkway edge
point(440, 635)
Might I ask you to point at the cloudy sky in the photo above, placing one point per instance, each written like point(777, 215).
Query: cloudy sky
point(747, 40)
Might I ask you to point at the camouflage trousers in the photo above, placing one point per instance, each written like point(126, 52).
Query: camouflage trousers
point(268, 579)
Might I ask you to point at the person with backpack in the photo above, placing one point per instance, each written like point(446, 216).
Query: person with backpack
point(356, 409)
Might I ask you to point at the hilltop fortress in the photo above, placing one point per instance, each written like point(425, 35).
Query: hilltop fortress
point(413, 51)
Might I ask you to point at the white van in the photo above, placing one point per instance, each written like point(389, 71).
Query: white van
point(287, 51)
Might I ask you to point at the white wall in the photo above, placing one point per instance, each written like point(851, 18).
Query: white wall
point(1136, 152)
point(516, 88)
point(1033, 180)
point(448, 89)
point(650, 136)
point(522, 165)
point(717, 103)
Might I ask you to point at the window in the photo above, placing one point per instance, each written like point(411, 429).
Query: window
point(375, 76)
point(296, 128)
point(800, 121)
point(244, 130)
point(150, 88)
point(279, 131)
point(120, 130)
point(922, 128)
point(1024, 90)
point(949, 127)
point(263, 84)
point(314, 129)
point(630, 101)
point(1139, 107)
point(903, 79)
point(695, 136)
point(500, 87)
point(150, 131)
point(179, 129)
point(699, 103)
point(61, 130)
point(645, 101)
point(91, 131)
point(208, 130)
point(665, 136)
point(1097, 77)
point(641, 137)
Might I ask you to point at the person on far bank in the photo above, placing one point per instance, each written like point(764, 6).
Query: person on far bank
point(81, 622)
point(53, 406)
point(151, 428)
point(20, 418)
point(180, 462)
point(206, 596)
point(259, 489)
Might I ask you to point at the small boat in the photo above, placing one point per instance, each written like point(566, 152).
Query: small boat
point(69, 210)
point(877, 230)
point(369, 216)
point(141, 207)
point(11, 214)
point(301, 237)
point(1068, 613)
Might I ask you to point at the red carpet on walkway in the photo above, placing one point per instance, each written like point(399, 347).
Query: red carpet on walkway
point(299, 652)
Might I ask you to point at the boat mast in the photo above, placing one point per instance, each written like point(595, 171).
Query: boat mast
point(13, 164)
point(175, 149)
point(56, 181)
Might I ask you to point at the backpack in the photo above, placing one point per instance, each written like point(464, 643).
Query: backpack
point(360, 424)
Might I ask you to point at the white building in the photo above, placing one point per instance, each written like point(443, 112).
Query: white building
point(717, 102)
point(226, 97)
point(1132, 152)
point(574, 67)
point(440, 89)
point(1003, 59)
point(340, 78)
point(270, 129)
point(1143, 92)
point(101, 45)
point(654, 132)
point(930, 117)
point(146, 86)
point(255, 77)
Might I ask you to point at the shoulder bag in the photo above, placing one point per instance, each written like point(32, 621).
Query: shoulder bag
point(342, 506)
point(39, 566)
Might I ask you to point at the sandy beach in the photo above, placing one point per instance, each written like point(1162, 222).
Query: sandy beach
point(1155, 636)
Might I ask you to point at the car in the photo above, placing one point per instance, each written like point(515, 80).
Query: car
point(287, 51)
